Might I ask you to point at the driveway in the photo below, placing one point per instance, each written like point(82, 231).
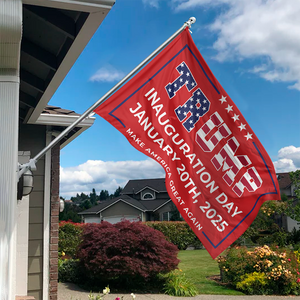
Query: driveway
point(69, 291)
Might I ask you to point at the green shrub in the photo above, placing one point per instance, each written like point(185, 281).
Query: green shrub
point(178, 233)
point(68, 270)
point(69, 238)
point(176, 284)
point(279, 266)
point(279, 238)
point(294, 238)
point(253, 284)
point(234, 264)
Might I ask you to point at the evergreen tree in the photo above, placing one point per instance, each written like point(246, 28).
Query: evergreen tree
point(118, 192)
point(104, 195)
point(93, 197)
point(86, 204)
point(70, 213)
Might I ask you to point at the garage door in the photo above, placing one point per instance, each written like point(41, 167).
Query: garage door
point(92, 220)
point(116, 219)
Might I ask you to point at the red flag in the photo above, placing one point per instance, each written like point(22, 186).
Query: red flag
point(176, 112)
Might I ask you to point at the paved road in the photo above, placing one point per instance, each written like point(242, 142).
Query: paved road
point(68, 291)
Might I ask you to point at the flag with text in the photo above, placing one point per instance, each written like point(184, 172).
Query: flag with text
point(176, 112)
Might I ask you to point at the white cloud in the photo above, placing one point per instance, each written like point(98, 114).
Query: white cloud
point(269, 30)
point(107, 74)
point(289, 159)
point(153, 3)
point(109, 175)
point(284, 165)
point(191, 4)
point(102, 175)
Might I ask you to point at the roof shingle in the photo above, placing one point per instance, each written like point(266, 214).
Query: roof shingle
point(136, 185)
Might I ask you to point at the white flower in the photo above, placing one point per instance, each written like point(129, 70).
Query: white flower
point(106, 290)
point(132, 295)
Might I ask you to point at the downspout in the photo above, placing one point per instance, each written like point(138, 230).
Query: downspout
point(10, 41)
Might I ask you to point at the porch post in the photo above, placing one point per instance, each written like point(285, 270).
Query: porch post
point(10, 40)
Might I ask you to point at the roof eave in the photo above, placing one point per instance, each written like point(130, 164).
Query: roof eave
point(161, 205)
point(106, 207)
point(119, 201)
point(149, 187)
point(98, 11)
point(79, 5)
point(65, 120)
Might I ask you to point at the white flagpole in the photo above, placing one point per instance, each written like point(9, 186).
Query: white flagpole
point(31, 164)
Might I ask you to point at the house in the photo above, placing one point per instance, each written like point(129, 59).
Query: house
point(148, 200)
point(40, 41)
point(140, 200)
point(288, 188)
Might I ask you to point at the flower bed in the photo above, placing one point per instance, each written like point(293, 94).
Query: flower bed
point(264, 270)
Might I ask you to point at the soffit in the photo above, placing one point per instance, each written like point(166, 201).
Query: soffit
point(54, 35)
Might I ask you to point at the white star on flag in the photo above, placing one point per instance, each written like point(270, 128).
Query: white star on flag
point(242, 127)
point(235, 117)
point(223, 99)
point(248, 136)
point(229, 108)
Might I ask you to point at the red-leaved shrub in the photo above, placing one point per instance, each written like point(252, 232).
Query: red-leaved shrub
point(123, 250)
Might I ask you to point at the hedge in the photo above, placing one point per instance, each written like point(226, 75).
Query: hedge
point(69, 238)
point(178, 233)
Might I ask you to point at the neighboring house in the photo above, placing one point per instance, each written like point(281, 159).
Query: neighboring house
point(40, 41)
point(140, 200)
point(148, 200)
point(288, 188)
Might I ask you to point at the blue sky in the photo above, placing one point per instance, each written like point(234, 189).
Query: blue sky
point(252, 47)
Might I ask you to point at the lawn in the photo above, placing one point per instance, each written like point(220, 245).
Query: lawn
point(197, 266)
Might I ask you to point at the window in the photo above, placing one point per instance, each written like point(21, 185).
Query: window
point(147, 196)
point(166, 216)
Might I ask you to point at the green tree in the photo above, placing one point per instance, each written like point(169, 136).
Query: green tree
point(93, 197)
point(104, 195)
point(118, 191)
point(70, 212)
point(86, 204)
point(293, 204)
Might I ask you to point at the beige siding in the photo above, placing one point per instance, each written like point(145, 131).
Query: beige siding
point(36, 294)
point(35, 248)
point(36, 215)
point(32, 138)
point(36, 199)
point(35, 264)
point(35, 232)
point(120, 209)
point(35, 281)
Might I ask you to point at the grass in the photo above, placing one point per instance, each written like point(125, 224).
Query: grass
point(197, 266)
